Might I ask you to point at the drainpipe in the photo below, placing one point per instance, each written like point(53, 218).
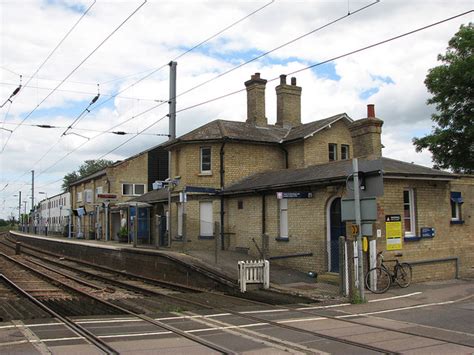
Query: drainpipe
point(222, 171)
point(264, 208)
point(286, 155)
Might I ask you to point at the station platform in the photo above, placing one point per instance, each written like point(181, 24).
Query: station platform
point(194, 267)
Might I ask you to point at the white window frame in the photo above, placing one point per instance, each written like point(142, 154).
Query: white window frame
point(133, 187)
point(205, 171)
point(79, 196)
point(334, 146)
point(411, 208)
point(283, 212)
point(98, 190)
point(346, 146)
point(88, 196)
point(206, 222)
point(457, 210)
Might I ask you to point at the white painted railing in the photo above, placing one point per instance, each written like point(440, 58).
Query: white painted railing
point(253, 272)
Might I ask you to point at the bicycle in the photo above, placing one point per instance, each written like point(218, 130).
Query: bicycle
point(380, 278)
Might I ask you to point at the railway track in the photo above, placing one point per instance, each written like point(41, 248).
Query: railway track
point(214, 306)
point(152, 287)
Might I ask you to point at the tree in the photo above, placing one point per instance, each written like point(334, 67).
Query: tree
point(87, 168)
point(452, 85)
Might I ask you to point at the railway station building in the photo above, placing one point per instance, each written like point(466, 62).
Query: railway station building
point(99, 200)
point(276, 190)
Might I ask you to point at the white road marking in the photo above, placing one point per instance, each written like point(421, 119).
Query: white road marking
point(396, 309)
point(395, 297)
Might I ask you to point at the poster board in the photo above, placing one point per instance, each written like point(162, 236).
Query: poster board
point(393, 232)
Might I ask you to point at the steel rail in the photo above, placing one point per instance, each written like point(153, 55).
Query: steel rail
point(162, 325)
point(76, 328)
point(196, 303)
point(168, 284)
point(253, 318)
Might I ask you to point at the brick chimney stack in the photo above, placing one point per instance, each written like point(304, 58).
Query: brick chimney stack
point(366, 134)
point(288, 103)
point(256, 100)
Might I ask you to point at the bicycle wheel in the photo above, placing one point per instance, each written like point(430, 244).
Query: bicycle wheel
point(378, 280)
point(403, 274)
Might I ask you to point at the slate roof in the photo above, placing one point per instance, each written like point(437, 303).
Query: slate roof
point(331, 172)
point(152, 196)
point(242, 131)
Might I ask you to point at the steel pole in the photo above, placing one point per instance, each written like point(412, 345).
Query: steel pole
point(19, 208)
point(172, 135)
point(360, 268)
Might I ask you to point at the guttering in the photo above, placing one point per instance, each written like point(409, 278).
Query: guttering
point(285, 186)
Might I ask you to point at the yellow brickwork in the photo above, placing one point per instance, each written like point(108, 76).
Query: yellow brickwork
point(316, 148)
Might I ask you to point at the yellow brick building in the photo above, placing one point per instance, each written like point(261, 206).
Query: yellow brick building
point(276, 190)
point(122, 181)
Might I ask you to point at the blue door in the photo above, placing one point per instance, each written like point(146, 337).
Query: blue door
point(338, 228)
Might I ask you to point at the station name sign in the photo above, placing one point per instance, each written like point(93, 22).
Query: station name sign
point(107, 196)
point(284, 195)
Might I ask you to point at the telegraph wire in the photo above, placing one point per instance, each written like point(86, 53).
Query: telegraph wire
point(310, 67)
point(279, 47)
point(77, 67)
point(336, 58)
point(214, 78)
point(200, 43)
point(93, 101)
point(291, 73)
point(78, 91)
point(182, 54)
point(14, 93)
point(119, 133)
point(60, 42)
point(147, 76)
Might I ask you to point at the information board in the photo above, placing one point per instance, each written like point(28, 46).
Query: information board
point(393, 232)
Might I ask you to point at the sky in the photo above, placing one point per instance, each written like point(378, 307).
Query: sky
point(122, 53)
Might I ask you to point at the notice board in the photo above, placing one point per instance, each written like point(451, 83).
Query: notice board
point(393, 232)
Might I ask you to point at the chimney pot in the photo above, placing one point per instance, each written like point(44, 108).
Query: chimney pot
point(282, 79)
point(371, 111)
point(255, 76)
point(293, 81)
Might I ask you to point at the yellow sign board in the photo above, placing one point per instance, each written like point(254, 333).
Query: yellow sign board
point(393, 232)
point(354, 229)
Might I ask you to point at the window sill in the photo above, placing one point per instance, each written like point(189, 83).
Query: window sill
point(457, 222)
point(282, 239)
point(204, 173)
point(411, 238)
point(206, 237)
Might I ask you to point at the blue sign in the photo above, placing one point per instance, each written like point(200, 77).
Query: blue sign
point(282, 195)
point(427, 232)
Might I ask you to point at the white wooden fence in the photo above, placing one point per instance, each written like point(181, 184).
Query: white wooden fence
point(253, 272)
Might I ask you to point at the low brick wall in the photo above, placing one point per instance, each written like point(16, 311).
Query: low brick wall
point(151, 264)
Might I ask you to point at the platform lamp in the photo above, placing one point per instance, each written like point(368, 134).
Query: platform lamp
point(19, 206)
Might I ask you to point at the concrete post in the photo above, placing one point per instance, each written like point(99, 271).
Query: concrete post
point(216, 241)
point(342, 266)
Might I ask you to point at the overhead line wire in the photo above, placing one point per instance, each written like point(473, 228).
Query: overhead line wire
point(204, 41)
point(75, 69)
point(314, 65)
point(184, 53)
point(154, 71)
point(222, 74)
point(60, 42)
point(78, 91)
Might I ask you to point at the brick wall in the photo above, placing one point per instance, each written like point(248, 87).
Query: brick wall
point(316, 150)
point(432, 210)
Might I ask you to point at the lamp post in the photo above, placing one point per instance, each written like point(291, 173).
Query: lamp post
point(24, 215)
point(19, 206)
point(49, 209)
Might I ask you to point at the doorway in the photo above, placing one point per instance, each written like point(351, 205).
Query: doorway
point(336, 228)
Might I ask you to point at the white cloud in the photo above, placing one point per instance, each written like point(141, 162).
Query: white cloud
point(162, 30)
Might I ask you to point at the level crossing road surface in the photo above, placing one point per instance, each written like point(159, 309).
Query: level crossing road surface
point(431, 318)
